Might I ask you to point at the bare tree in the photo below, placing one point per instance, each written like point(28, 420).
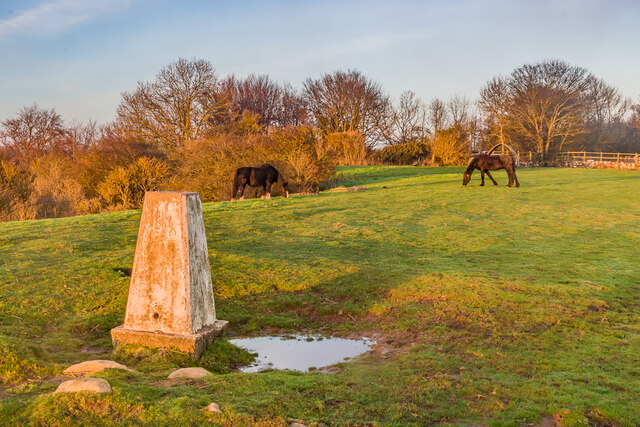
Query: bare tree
point(261, 96)
point(458, 108)
point(276, 106)
point(176, 108)
point(293, 111)
point(348, 101)
point(408, 120)
point(494, 103)
point(605, 117)
point(33, 132)
point(634, 120)
point(545, 105)
point(549, 103)
point(80, 136)
point(438, 116)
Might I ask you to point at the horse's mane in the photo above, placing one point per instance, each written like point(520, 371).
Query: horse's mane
point(472, 164)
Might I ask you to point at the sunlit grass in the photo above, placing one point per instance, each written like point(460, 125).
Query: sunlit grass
point(490, 304)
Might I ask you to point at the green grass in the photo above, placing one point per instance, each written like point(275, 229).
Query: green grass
point(490, 305)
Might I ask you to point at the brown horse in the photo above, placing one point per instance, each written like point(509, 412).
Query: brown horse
point(262, 176)
point(492, 162)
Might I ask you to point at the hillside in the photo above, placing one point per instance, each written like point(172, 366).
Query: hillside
point(489, 305)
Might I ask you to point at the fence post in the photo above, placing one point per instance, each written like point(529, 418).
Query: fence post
point(584, 157)
point(601, 157)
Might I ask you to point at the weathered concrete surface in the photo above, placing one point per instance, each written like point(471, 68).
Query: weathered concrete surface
point(193, 344)
point(171, 296)
point(192, 373)
point(91, 366)
point(92, 385)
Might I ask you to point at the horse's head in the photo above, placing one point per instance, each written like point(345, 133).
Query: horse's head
point(467, 174)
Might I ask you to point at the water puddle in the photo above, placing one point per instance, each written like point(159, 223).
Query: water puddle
point(300, 352)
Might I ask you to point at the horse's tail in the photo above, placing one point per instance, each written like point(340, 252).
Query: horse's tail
point(494, 148)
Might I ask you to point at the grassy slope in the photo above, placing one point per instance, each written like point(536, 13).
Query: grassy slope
point(491, 305)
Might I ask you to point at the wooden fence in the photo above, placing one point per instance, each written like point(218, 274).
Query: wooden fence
point(584, 159)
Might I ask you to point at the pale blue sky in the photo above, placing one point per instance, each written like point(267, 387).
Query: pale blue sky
point(79, 55)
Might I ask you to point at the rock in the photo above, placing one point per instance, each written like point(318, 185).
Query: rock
point(213, 407)
point(297, 425)
point(189, 373)
point(91, 366)
point(91, 385)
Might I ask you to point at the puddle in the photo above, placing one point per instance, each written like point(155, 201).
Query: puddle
point(300, 352)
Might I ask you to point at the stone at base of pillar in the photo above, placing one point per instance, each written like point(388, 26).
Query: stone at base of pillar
point(194, 344)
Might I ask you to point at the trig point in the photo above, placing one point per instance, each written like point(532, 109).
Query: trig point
point(171, 297)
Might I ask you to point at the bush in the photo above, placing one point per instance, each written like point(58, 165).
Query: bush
point(300, 158)
point(207, 166)
point(15, 189)
point(124, 188)
point(408, 153)
point(344, 148)
point(450, 147)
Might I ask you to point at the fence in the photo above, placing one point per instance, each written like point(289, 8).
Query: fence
point(581, 159)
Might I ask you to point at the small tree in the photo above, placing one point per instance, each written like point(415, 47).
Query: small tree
point(408, 121)
point(176, 108)
point(348, 102)
point(33, 132)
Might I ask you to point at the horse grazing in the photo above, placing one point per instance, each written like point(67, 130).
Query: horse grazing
point(492, 162)
point(262, 176)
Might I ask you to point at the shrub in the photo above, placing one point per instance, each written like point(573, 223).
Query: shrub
point(15, 189)
point(450, 147)
point(207, 166)
point(407, 153)
point(300, 159)
point(345, 148)
point(124, 187)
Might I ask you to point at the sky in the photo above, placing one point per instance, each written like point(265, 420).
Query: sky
point(79, 56)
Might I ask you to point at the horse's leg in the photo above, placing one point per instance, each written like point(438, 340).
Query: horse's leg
point(264, 192)
point(482, 178)
point(242, 186)
point(516, 178)
point(510, 173)
point(268, 188)
point(234, 190)
point(491, 178)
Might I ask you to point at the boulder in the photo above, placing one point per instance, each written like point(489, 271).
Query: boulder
point(192, 373)
point(91, 366)
point(91, 385)
point(213, 407)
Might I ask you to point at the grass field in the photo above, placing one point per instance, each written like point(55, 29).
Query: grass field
point(490, 305)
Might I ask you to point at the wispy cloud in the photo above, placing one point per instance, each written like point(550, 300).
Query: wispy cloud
point(53, 16)
point(324, 53)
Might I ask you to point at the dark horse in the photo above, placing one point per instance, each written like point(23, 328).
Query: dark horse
point(492, 162)
point(262, 176)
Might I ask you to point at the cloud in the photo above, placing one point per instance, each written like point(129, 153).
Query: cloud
point(54, 16)
point(324, 53)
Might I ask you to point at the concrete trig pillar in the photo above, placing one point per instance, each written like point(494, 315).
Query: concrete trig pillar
point(170, 300)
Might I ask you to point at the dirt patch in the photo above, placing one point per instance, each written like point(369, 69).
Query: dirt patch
point(390, 345)
point(89, 349)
